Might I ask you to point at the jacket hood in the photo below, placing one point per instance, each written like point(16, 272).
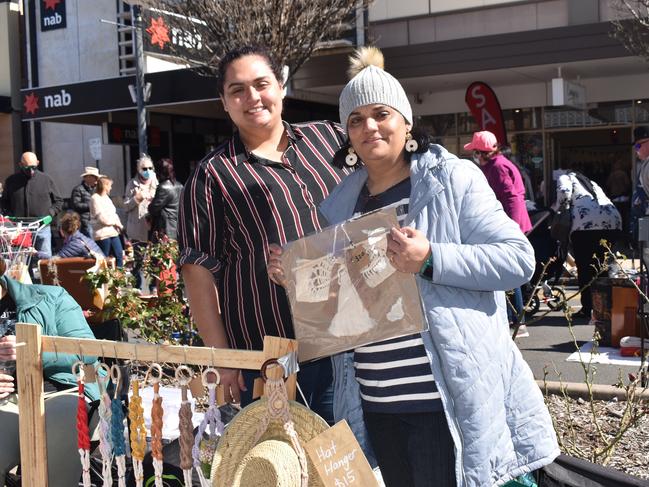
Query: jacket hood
point(25, 296)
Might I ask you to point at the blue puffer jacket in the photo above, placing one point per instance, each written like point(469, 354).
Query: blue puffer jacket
point(58, 314)
point(495, 411)
point(79, 245)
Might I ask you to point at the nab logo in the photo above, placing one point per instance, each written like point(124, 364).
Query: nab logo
point(62, 99)
point(53, 20)
point(52, 14)
point(31, 103)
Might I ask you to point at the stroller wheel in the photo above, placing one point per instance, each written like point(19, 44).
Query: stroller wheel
point(558, 298)
point(533, 305)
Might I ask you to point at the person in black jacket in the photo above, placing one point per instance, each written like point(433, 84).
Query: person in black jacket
point(80, 198)
point(31, 193)
point(163, 209)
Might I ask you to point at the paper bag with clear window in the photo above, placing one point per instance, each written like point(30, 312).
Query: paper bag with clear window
point(343, 291)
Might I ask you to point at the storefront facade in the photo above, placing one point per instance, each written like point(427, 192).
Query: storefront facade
point(545, 139)
point(77, 106)
point(438, 49)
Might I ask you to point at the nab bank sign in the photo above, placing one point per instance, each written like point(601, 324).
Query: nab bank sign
point(52, 14)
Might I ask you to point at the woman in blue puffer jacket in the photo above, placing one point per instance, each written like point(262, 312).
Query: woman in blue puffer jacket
point(75, 243)
point(456, 404)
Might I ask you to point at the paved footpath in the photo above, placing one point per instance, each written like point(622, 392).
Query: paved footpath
point(550, 343)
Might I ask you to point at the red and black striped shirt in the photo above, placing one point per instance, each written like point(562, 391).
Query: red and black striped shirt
point(235, 204)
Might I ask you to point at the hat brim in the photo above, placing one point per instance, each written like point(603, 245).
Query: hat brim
point(91, 174)
point(239, 438)
point(469, 146)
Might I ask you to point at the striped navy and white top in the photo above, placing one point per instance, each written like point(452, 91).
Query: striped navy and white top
point(236, 203)
point(394, 375)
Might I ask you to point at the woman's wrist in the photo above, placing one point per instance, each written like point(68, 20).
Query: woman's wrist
point(426, 270)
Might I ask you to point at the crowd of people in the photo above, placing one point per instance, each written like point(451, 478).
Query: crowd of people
point(453, 405)
point(91, 223)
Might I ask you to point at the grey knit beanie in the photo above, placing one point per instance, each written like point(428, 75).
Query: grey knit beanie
point(370, 84)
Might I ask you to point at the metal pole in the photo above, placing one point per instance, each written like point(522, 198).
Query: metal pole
point(139, 81)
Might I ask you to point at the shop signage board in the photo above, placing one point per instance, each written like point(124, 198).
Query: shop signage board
point(112, 94)
point(125, 134)
point(174, 35)
point(94, 145)
point(485, 108)
point(339, 459)
point(569, 94)
point(52, 15)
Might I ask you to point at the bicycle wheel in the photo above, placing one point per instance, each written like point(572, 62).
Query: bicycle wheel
point(533, 306)
point(558, 298)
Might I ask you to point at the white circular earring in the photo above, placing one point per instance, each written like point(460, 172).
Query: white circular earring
point(411, 144)
point(351, 159)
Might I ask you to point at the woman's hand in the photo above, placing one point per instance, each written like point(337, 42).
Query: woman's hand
point(233, 383)
point(7, 353)
point(408, 249)
point(274, 265)
point(8, 348)
point(6, 385)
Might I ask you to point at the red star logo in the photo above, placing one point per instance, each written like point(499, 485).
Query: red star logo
point(159, 32)
point(31, 103)
point(51, 4)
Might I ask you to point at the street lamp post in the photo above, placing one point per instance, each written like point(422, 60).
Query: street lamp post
point(141, 91)
point(139, 80)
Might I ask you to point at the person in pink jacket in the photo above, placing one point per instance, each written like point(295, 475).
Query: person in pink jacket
point(503, 177)
point(506, 181)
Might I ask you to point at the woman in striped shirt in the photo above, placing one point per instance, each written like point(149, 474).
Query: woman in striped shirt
point(262, 185)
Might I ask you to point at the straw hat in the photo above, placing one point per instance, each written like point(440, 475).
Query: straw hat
point(91, 171)
point(272, 462)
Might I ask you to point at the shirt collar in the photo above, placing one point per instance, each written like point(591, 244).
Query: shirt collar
point(239, 153)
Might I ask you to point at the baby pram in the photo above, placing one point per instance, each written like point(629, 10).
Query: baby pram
point(544, 286)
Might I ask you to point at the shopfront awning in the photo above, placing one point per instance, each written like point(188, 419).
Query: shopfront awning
point(92, 101)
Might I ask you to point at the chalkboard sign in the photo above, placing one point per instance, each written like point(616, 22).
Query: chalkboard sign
point(339, 459)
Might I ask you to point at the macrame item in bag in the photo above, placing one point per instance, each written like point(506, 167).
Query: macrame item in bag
point(204, 448)
point(138, 433)
point(156, 424)
point(185, 425)
point(83, 433)
point(105, 444)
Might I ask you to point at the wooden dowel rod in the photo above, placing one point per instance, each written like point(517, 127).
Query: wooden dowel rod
point(217, 357)
point(31, 420)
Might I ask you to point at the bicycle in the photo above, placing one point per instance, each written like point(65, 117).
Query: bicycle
point(552, 296)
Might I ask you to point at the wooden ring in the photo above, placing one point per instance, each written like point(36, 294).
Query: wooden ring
point(266, 364)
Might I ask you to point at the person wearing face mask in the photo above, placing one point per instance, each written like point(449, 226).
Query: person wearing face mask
point(507, 183)
point(138, 195)
point(30, 193)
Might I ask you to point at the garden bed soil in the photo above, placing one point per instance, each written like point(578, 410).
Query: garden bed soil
point(631, 455)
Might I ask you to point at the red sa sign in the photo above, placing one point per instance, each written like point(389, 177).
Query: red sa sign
point(485, 108)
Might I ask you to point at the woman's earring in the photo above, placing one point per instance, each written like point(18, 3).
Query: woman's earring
point(411, 144)
point(351, 159)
